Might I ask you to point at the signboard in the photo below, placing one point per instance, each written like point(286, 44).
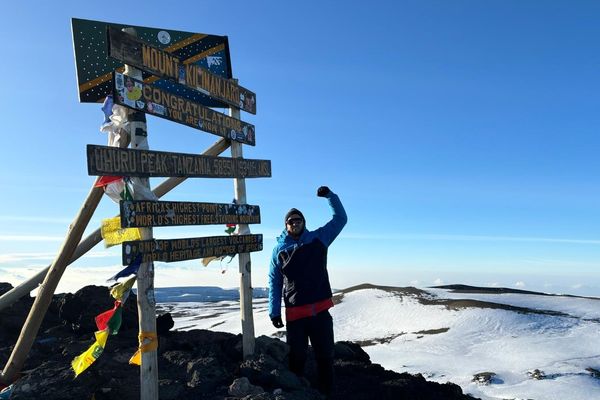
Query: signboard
point(105, 160)
point(172, 250)
point(153, 100)
point(145, 213)
point(133, 51)
point(94, 67)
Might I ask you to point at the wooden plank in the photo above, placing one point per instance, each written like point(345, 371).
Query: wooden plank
point(171, 250)
point(154, 100)
point(94, 67)
point(133, 51)
point(104, 160)
point(174, 213)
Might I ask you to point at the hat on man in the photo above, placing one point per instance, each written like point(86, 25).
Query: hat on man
point(293, 212)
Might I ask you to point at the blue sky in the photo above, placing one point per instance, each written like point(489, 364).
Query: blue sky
point(461, 136)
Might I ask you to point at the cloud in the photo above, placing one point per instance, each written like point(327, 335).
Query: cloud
point(438, 282)
point(479, 238)
point(520, 284)
point(577, 286)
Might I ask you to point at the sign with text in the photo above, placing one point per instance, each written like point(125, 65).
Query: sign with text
point(145, 213)
point(172, 250)
point(156, 101)
point(105, 160)
point(94, 67)
point(133, 51)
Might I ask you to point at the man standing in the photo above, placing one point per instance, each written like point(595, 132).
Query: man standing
point(299, 267)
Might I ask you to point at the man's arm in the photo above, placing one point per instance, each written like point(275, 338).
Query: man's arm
point(332, 229)
point(275, 286)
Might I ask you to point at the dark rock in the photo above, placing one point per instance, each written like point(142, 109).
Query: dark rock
point(275, 348)
point(242, 387)
point(350, 351)
point(287, 380)
point(258, 369)
point(164, 323)
point(169, 389)
point(79, 310)
point(206, 374)
point(5, 287)
point(484, 378)
point(594, 372)
point(536, 374)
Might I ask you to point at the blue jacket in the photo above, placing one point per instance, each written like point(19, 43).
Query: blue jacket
point(298, 270)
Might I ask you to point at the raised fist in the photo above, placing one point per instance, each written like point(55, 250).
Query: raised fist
point(323, 191)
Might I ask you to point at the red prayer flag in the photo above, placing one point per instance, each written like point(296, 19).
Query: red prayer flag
point(105, 180)
point(103, 319)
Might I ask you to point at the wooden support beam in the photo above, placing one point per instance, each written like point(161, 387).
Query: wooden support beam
point(44, 296)
point(146, 301)
point(248, 341)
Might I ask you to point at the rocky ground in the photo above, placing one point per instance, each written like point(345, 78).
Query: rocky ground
point(197, 364)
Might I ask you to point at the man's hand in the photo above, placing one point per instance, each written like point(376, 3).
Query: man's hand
point(323, 191)
point(277, 322)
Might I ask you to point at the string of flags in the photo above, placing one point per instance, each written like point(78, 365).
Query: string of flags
point(117, 188)
point(108, 323)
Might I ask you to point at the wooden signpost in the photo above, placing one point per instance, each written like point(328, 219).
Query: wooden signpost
point(182, 74)
point(156, 101)
point(105, 160)
point(143, 213)
point(172, 250)
point(133, 51)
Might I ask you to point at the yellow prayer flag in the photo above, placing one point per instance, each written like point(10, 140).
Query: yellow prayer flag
point(113, 234)
point(87, 358)
point(118, 291)
point(136, 359)
point(206, 260)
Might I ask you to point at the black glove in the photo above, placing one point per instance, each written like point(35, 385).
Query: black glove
point(277, 322)
point(323, 191)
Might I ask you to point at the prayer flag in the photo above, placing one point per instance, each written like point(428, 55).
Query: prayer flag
point(121, 289)
point(113, 234)
point(110, 319)
point(87, 358)
point(131, 269)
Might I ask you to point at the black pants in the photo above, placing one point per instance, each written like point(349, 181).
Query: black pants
point(320, 331)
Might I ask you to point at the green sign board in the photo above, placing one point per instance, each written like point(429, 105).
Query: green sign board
point(146, 213)
point(171, 250)
point(94, 66)
point(106, 160)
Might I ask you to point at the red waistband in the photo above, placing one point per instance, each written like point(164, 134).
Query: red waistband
point(307, 310)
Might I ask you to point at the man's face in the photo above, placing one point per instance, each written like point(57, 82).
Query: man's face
point(294, 225)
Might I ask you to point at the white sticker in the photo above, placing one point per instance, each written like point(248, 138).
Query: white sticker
point(164, 37)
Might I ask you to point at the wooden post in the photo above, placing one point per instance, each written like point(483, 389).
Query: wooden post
point(8, 298)
point(146, 301)
point(44, 296)
point(244, 258)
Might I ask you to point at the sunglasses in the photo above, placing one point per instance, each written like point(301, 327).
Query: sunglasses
point(293, 221)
